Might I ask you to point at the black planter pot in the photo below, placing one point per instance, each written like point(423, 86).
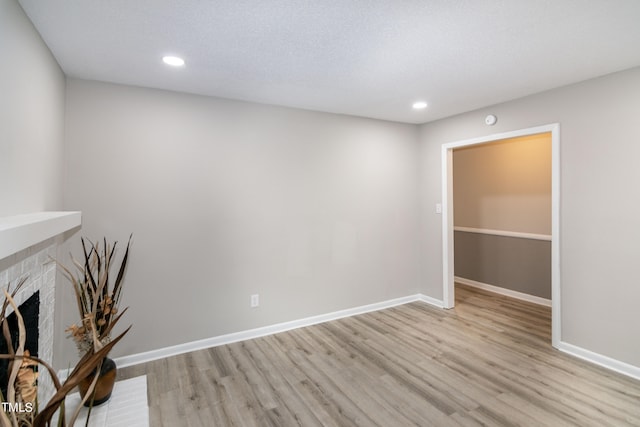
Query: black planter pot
point(106, 380)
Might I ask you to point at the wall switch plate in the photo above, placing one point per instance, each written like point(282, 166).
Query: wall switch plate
point(255, 300)
point(438, 208)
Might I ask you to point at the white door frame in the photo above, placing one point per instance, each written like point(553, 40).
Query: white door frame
point(448, 297)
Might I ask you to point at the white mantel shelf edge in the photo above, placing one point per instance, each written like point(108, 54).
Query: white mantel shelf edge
point(22, 231)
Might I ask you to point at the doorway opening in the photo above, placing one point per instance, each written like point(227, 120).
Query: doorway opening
point(448, 218)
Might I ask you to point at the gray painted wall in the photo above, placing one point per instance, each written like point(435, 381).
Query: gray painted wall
point(32, 103)
point(31, 117)
point(522, 265)
point(315, 212)
point(599, 209)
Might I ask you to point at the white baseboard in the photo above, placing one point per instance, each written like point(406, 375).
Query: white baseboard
point(134, 359)
point(601, 360)
point(161, 353)
point(431, 301)
point(149, 356)
point(502, 291)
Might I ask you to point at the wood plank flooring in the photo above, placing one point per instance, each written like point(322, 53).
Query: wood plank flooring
point(487, 362)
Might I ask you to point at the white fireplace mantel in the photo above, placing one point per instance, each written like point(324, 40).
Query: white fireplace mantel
point(27, 244)
point(22, 231)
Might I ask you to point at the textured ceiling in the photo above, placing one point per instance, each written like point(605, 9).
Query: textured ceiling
point(369, 58)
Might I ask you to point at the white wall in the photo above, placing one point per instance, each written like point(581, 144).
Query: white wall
point(600, 207)
point(315, 212)
point(31, 117)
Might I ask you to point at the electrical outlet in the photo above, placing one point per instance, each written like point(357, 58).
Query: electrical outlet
point(255, 300)
point(438, 208)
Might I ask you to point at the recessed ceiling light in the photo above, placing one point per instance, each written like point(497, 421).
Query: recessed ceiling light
point(173, 60)
point(420, 105)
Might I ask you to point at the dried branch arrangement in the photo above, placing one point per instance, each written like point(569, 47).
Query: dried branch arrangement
point(96, 297)
point(98, 306)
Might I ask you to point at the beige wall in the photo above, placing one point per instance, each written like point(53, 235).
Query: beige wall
point(31, 117)
point(315, 212)
point(504, 185)
point(598, 160)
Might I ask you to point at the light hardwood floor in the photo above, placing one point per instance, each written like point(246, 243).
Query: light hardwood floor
point(487, 362)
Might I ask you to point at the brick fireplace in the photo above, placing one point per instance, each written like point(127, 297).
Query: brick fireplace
point(27, 245)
